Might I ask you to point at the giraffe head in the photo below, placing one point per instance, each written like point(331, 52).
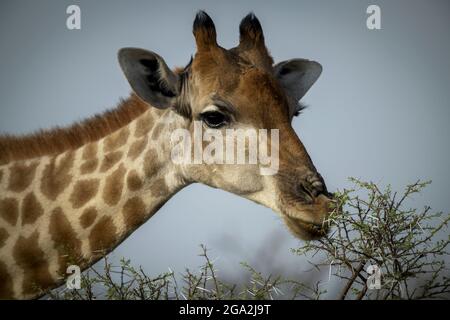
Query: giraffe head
point(222, 91)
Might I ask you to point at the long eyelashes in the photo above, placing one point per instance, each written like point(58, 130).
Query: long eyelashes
point(299, 109)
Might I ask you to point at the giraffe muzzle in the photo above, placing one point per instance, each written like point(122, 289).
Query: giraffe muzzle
point(309, 188)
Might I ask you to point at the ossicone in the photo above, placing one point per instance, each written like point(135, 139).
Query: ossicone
point(250, 31)
point(204, 31)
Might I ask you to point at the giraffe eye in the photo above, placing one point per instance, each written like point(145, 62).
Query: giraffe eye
point(214, 119)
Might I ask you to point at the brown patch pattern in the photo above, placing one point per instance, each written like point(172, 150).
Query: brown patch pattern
point(6, 283)
point(157, 131)
point(90, 151)
point(159, 188)
point(143, 125)
point(9, 210)
point(137, 148)
point(110, 160)
point(31, 209)
point(56, 177)
point(88, 217)
point(102, 236)
point(116, 140)
point(113, 186)
point(90, 162)
point(3, 236)
point(66, 242)
point(83, 191)
point(56, 141)
point(89, 166)
point(134, 182)
point(30, 257)
point(134, 212)
point(151, 163)
point(21, 175)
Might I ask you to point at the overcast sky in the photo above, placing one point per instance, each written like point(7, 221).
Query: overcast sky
point(380, 110)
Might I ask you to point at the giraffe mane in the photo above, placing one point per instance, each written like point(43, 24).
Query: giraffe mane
point(60, 139)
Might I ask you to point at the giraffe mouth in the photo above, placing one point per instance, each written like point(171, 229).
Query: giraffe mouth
point(308, 221)
point(305, 230)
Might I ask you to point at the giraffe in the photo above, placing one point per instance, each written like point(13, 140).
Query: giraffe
point(71, 195)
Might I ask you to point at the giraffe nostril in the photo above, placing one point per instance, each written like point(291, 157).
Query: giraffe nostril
point(311, 186)
point(317, 183)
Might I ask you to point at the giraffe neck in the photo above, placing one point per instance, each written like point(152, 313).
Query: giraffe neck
point(75, 207)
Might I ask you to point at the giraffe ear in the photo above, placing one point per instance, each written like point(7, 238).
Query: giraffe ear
point(297, 76)
point(150, 77)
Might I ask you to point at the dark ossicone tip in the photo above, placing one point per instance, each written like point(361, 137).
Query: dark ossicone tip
point(204, 31)
point(250, 28)
point(203, 20)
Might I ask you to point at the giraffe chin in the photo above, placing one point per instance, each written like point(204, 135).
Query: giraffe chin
point(305, 230)
point(308, 221)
